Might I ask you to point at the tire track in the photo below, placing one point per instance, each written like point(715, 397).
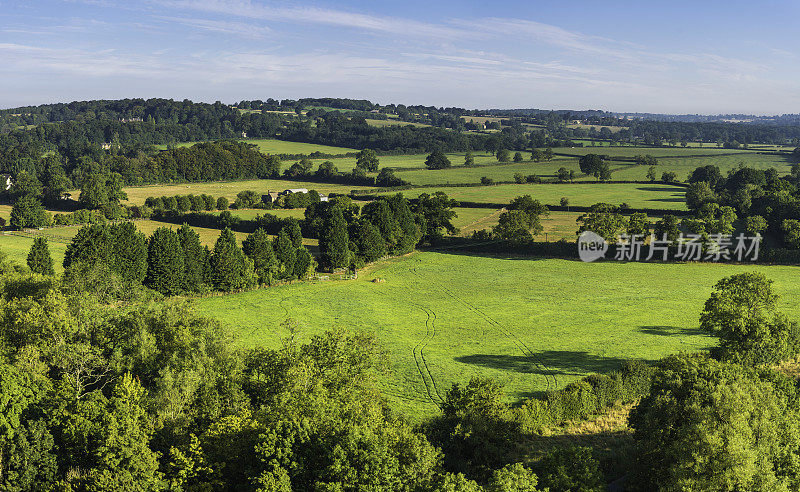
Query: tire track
point(429, 331)
point(492, 322)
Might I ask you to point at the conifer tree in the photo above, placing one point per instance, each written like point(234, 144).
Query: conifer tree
point(334, 242)
point(165, 262)
point(39, 259)
point(303, 263)
point(258, 247)
point(91, 244)
point(295, 233)
point(28, 212)
point(128, 253)
point(286, 253)
point(194, 258)
point(229, 268)
point(369, 241)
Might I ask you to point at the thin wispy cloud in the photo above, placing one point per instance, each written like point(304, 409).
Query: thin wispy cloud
point(315, 15)
point(222, 27)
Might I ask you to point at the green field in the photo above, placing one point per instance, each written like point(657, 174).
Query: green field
point(275, 146)
point(17, 248)
point(684, 166)
point(530, 324)
point(580, 194)
point(654, 151)
point(495, 171)
point(229, 189)
point(404, 161)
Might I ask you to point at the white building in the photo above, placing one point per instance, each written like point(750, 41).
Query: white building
point(5, 182)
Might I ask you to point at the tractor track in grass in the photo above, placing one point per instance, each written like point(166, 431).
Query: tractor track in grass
point(492, 322)
point(419, 355)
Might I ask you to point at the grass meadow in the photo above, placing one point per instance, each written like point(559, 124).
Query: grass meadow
point(531, 324)
point(579, 194)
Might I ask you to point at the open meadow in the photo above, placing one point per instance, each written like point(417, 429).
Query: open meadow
point(531, 324)
point(579, 194)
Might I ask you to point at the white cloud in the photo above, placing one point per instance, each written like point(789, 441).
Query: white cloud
point(224, 27)
point(315, 15)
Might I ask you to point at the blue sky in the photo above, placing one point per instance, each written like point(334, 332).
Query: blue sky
point(674, 57)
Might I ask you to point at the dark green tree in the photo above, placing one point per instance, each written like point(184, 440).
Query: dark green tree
point(286, 254)
point(303, 263)
point(165, 265)
point(128, 255)
point(334, 241)
point(194, 258)
point(369, 241)
point(708, 425)
point(742, 312)
point(437, 160)
point(469, 159)
point(258, 247)
point(28, 212)
point(437, 210)
point(229, 266)
point(292, 226)
point(102, 189)
point(25, 184)
point(92, 244)
point(367, 159)
point(39, 260)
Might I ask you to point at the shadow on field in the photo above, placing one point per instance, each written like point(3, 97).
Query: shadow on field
point(549, 362)
point(671, 331)
point(657, 188)
point(672, 200)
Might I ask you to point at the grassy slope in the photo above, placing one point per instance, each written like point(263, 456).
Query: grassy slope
point(575, 318)
point(636, 195)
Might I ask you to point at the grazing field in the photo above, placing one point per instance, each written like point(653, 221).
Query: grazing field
point(684, 166)
point(17, 248)
point(495, 171)
point(658, 152)
point(636, 195)
point(229, 189)
point(531, 324)
point(404, 161)
point(274, 146)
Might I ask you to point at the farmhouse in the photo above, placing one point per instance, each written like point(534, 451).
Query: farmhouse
point(5, 182)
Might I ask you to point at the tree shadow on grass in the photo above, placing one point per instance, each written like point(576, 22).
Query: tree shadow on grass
point(671, 331)
point(657, 188)
point(671, 200)
point(548, 362)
